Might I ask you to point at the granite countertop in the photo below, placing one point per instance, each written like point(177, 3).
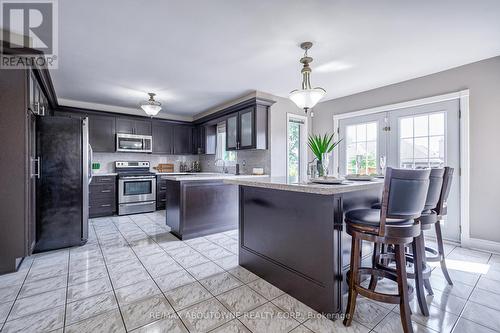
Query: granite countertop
point(207, 176)
point(281, 183)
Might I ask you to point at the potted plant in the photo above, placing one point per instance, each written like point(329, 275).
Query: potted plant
point(322, 146)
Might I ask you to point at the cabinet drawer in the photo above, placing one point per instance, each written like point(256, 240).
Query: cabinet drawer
point(102, 189)
point(103, 179)
point(102, 201)
point(103, 210)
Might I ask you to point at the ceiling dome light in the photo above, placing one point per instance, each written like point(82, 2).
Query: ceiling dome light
point(307, 97)
point(151, 107)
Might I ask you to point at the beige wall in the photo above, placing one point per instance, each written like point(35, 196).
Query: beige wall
point(483, 80)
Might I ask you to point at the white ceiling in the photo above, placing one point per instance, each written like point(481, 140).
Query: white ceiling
point(198, 54)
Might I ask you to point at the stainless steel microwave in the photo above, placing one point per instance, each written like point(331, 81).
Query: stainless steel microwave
point(134, 143)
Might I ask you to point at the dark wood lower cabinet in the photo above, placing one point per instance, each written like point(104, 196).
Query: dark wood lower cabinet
point(102, 196)
point(161, 193)
point(197, 208)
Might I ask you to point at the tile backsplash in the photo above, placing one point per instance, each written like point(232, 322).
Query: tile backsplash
point(107, 160)
point(247, 159)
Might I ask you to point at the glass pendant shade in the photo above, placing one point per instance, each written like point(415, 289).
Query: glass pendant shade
point(151, 107)
point(307, 98)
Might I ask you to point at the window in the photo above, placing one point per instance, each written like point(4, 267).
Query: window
point(422, 141)
point(221, 153)
point(361, 153)
point(296, 154)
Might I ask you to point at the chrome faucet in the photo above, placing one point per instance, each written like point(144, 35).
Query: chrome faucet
point(216, 163)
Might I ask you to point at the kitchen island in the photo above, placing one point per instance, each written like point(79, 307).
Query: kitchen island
point(291, 235)
point(201, 204)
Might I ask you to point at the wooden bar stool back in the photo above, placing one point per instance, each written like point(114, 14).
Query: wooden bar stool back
point(421, 271)
point(396, 223)
point(441, 209)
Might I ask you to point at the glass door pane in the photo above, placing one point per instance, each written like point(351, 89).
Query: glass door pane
point(427, 136)
point(293, 146)
point(363, 144)
point(422, 141)
point(246, 129)
point(231, 132)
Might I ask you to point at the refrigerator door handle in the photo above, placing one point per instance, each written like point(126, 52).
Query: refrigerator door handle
point(91, 158)
point(38, 162)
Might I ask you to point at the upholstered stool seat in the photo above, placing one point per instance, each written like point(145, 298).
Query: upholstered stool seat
point(371, 217)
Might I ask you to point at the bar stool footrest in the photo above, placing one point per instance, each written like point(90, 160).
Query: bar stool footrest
point(435, 256)
point(378, 296)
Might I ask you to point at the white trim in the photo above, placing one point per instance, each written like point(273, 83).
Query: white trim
point(403, 105)
point(482, 245)
point(119, 109)
point(303, 147)
point(463, 97)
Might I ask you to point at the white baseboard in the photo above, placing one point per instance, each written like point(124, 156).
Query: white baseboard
point(481, 245)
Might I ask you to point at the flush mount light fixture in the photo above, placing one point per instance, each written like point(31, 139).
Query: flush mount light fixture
point(151, 107)
point(306, 97)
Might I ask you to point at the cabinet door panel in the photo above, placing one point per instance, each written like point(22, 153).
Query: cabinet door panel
point(102, 133)
point(232, 132)
point(246, 127)
point(142, 127)
point(183, 139)
point(162, 138)
point(124, 125)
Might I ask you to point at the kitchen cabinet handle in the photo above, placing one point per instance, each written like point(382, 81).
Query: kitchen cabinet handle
point(105, 191)
point(163, 188)
point(105, 179)
point(106, 205)
point(42, 113)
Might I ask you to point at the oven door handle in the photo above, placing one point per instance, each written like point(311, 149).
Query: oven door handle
point(137, 203)
point(137, 179)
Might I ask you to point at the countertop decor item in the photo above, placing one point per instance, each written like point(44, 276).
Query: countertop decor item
point(164, 167)
point(321, 147)
point(360, 177)
point(306, 97)
point(151, 107)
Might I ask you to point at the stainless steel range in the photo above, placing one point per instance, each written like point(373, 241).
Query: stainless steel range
point(136, 187)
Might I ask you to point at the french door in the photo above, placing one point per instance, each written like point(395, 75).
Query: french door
point(416, 137)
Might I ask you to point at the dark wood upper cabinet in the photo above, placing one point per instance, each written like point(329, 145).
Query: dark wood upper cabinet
point(183, 139)
point(143, 127)
point(125, 125)
point(247, 129)
point(162, 138)
point(102, 133)
point(132, 126)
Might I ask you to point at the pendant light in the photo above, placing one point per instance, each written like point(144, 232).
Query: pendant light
point(306, 97)
point(151, 107)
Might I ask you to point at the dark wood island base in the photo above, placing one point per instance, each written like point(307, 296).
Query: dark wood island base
point(293, 239)
point(198, 208)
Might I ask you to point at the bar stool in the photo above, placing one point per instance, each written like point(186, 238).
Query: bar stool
point(421, 271)
point(403, 200)
point(438, 255)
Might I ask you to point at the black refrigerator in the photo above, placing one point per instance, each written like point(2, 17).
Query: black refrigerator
point(64, 157)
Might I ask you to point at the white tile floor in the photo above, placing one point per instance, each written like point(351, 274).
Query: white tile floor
point(134, 276)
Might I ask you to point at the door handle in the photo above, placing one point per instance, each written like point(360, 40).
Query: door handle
point(105, 191)
point(38, 164)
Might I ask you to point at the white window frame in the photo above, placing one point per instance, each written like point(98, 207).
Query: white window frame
point(303, 146)
point(220, 144)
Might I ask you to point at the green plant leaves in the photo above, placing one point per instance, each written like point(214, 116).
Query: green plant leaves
point(322, 144)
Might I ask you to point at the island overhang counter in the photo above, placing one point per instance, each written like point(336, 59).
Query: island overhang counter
point(291, 235)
